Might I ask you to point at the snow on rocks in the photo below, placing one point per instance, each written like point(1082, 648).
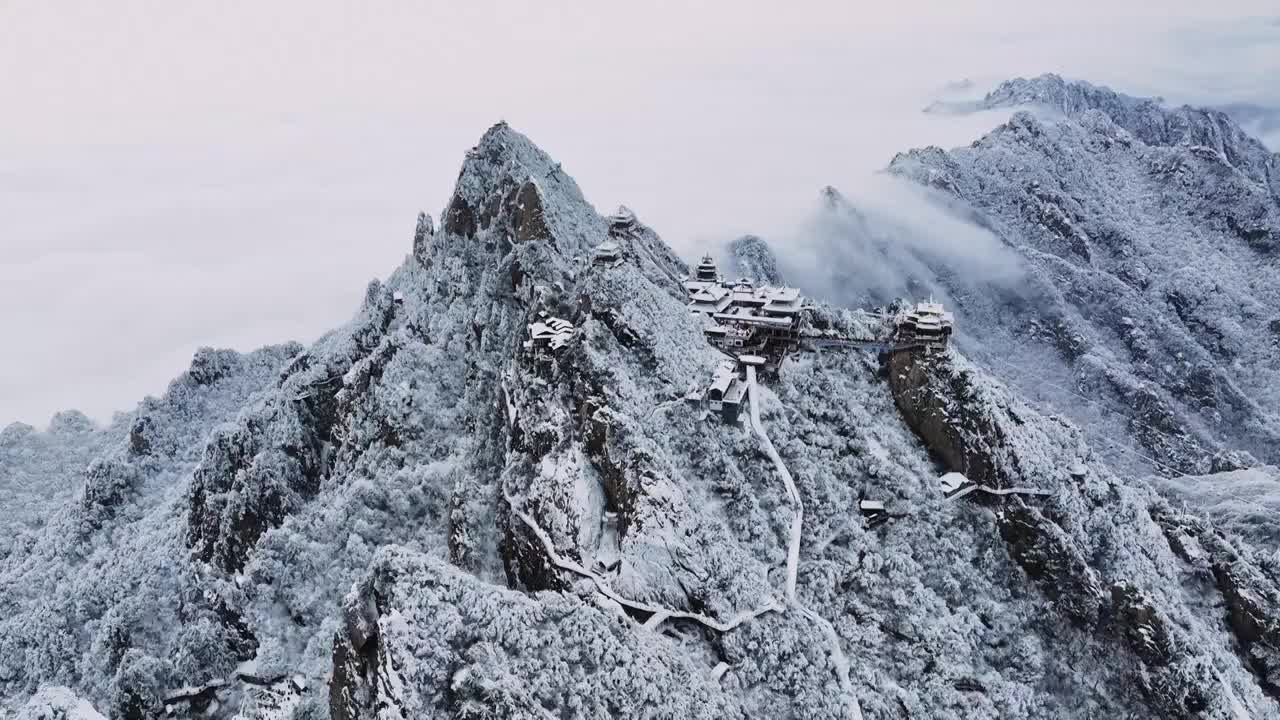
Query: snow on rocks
point(1150, 326)
point(53, 702)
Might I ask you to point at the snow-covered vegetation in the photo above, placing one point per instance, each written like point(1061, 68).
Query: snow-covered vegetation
point(40, 471)
point(1243, 502)
point(419, 517)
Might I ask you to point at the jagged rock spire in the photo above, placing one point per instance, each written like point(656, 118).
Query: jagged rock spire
point(514, 212)
point(506, 173)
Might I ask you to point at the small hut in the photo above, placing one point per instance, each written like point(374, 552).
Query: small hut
point(606, 252)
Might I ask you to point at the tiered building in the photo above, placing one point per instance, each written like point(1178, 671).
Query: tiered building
point(547, 336)
point(606, 253)
point(742, 318)
point(927, 323)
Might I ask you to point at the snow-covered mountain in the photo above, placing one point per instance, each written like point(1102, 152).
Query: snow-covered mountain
point(1153, 236)
point(418, 516)
point(1146, 300)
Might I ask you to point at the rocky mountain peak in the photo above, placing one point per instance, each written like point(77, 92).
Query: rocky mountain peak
point(1148, 119)
point(506, 174)
point(514, 212)
point(1071, 98)
point(750, 256)
point(1148, 234)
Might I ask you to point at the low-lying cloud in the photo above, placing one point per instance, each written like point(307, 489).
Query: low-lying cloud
point(891, 239)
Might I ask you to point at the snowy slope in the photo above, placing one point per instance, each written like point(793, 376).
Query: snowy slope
point(1149, 237)
point(1244, 502)
point(106, 572)
point(413, 517)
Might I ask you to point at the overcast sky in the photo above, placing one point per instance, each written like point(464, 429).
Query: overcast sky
point(176, 174)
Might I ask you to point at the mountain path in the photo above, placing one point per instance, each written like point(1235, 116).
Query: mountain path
point(838, 657)
point(797, 519)
point(607, 590)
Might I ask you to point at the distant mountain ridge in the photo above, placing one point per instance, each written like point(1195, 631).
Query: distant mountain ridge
point(1153, 265)
point(1147, 120)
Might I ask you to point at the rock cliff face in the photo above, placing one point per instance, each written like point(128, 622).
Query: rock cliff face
point(419, 516)
point(1102, 575)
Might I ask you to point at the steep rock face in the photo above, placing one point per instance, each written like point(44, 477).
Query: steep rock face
point(1148, 239)
point(1248, 581)
point(936, 398)
point(273, 460)
point(1109, 578)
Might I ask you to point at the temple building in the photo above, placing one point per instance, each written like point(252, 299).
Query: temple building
point(547, 336)
point(707, 271)
point(926, 323)
point(606, 253)
point(873, 511)
point(709, 300)
point(725, 396)
point(743, 318)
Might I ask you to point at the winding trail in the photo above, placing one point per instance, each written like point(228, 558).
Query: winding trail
point(838, 658)
point(662, 407)
point(797, 519)
point(769, 605)
point(999, 491)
